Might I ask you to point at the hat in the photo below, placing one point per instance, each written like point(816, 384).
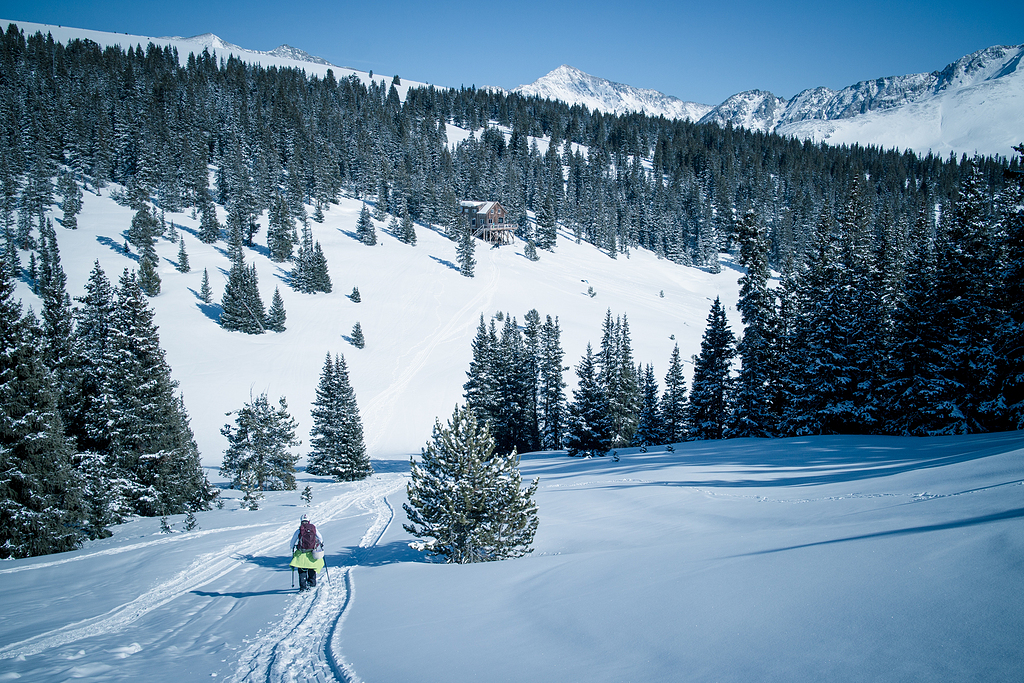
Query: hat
point(305, 518)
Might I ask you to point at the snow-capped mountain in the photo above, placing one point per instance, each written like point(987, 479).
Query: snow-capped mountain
point(975, 104)
point(571, 85)
point(213, 43)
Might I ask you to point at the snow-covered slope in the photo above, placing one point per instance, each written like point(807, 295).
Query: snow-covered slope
point(571, 85)
point(795, 560)
point(284, 56)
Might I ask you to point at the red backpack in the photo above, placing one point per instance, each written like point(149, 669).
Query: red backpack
point(307, 536)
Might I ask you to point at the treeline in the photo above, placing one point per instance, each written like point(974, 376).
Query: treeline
point(279, 140)
point(919, 333)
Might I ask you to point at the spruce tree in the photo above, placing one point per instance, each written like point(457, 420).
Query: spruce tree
point(354, 296)
point(258, 443)
point(209, 227)
point(205, 291)
point(752, 400)
point(241, 306)
point(276, 317)
point(365, 231)
point(357, 338)
point(465, 249)
point(279, 230)
point(408, 229)
point(707, 412)
point(337, 434)
point(72, 204)
point(673, 408)
point(467, 497)
point(588, 431)
point(551, 407)
point(183, 265)
point(649, 430)
point(40, 507)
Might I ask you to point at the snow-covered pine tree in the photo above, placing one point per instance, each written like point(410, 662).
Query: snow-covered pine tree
point(241, 306)
point(40, 508)
point(408, 234)
point(707, 411)
point(183, 265)
point(205, 291)
point(551, 408)
point(144, 229)
point(209, 227)
point(481, 384)
point(588, 430)
point(673, 407)
point(466, 248)
point(358, 340)
point(258, 446)
point(354, 296)
point(72, 204)
point(337, 434)
point(149, 278)
point(752, 399)
point(546, 232)
point(467, 497)
point(649, 430)
point(1010, 289)
point(279, 230)
point(365, 230)
point(277, 316)
point(319, 277)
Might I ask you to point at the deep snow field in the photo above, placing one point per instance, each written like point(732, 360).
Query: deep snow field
point(831, 558)
point(817, 559)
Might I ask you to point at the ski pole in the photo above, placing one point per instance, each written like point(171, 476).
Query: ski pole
point(293, 577)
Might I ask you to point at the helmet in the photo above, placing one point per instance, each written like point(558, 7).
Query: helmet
point(305, 518)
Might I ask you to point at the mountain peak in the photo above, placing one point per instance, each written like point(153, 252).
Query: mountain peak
point(574, 86)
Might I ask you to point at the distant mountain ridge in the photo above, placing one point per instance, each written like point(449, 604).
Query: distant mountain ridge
point(973, 104)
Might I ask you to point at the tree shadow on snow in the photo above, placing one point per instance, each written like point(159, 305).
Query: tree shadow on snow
point(797, 461)
point(443, 262)
point(239, 595)
point(119, 248)
point(211, 311)
point(390, 466)
point(394, 552)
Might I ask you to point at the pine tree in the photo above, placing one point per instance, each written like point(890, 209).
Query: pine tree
point(466, 497)
point(337, 434)
point(365, 231)
point(481, 384)
point(279, 230)
point(408, 229)
point(144, 229)
point(39, 504)
point(276, 317)
point(72, 204)
point(205, 291)
point(183, 266)
point(354, 296)
point(149, 278)
point(551, 408)
point(357, 338)
point(241, 306)
point(465, 249)
point(707, 412)
point(752, 400)
point(209, 227)
point(257, 454)
point(588, 431)
point(649, 430)
point(673, 409)
point(546, 232)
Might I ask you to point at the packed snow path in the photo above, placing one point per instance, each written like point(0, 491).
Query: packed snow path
point(297, 647)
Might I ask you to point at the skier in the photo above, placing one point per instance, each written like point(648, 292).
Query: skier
point(307, 553)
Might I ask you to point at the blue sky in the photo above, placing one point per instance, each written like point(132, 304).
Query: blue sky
point(703, 51)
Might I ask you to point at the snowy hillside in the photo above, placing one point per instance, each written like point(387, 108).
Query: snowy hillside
point(812, 559)
point(417, 312)
point(571, 85)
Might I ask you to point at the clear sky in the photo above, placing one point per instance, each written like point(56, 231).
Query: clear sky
point(702, 51)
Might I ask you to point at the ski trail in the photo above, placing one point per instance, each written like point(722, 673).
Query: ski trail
point(301, 646)
point(383, 404)
point(175, 538)
point(203, 569)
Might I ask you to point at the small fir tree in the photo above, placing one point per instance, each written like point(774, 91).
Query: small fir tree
point(365, 231)
point(354, 296)
point(589, 429)
point(467, 498)
point(358, 340)
point(707, 412)
point(337, 434)
point(205, 291)
point(276, 316)
point(465, 249)
point(183, 266)
point(307, 496)
point(257, 455)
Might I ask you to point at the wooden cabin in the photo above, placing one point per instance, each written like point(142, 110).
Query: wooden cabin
point(489, 221)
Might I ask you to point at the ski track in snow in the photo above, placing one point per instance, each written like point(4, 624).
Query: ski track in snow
point(383, 405)
point(302, 645)
point(183, 536)
point(211, 566)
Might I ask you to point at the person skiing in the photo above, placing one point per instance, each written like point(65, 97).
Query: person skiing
point(307, 553)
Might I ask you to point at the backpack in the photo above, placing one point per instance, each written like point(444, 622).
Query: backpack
point(307, 536)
